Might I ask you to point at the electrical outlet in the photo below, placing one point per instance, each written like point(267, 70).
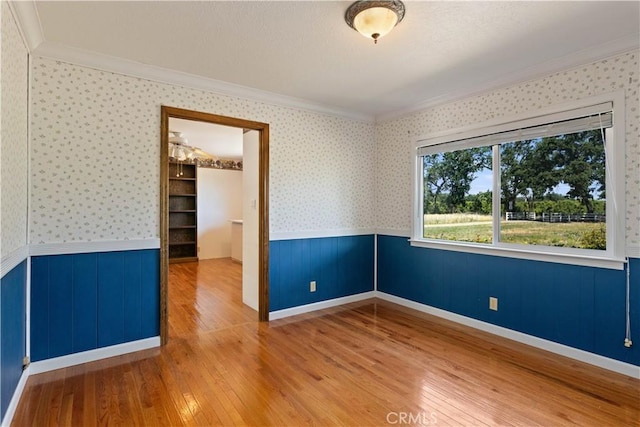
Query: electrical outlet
point(312, 286)
point(493, 303)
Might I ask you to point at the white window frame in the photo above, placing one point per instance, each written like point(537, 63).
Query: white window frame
point(613, 257)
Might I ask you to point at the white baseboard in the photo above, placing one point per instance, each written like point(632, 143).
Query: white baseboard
point(553, 347)
point(279, 314)
point(92, 355)
point(15, 399)
point(70, 360)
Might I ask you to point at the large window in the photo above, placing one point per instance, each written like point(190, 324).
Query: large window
point(457, 195)
point(546, 186)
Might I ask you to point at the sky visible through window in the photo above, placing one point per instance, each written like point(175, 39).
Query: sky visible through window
point(551, 193)
point(483, 181)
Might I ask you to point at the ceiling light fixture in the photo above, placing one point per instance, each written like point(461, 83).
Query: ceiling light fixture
point(177, 138)
point(374, 19)
point(181, 151)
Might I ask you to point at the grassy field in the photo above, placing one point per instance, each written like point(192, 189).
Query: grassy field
point(437, 219)
point(521, 232)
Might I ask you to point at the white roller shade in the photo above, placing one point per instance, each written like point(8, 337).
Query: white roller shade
point(567, 122)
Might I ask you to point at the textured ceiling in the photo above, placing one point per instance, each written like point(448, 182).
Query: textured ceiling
point(224, 142)
point(305, 50)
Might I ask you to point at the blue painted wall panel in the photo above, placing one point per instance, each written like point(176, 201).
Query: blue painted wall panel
point(111, 299)
point(149, 293)
point(326, 252)
point(12, 332)
point(132, 298)
point(582, 307)
point(358, 252)
point(114, 297)
point(61, 305)
point(609, 319)
point(275, 253)
point(341, 266)
point(39, 308)
point(298, 272)
point(86, 301)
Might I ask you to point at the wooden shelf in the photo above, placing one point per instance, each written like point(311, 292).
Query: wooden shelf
point(183, 214)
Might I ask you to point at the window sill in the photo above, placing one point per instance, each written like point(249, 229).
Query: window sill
point(561, 258)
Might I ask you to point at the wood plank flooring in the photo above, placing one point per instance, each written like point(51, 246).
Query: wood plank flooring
point(367, 363)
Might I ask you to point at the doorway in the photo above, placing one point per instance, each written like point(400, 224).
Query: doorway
point(263, 205)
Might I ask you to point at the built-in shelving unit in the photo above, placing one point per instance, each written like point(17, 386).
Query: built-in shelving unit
point(183, 214)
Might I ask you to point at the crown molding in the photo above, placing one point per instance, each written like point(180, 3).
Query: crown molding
point(128, 67)
point(26, 15)
point(567, 62)
point(31, 30)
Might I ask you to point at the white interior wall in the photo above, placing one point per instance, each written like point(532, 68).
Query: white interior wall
point(219, 202)
point(250, 209)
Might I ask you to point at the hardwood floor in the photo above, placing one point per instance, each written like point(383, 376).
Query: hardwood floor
point(206, 296)
point(367, 363)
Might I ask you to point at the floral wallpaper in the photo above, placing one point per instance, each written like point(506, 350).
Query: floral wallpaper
point(13, 137)
point(95, 157)
point(327, 173)
point(397, 136)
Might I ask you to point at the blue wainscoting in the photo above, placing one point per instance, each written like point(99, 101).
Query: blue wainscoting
point(341, 266)
point(86, 301)
point(582, 307)
point(12, 331)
